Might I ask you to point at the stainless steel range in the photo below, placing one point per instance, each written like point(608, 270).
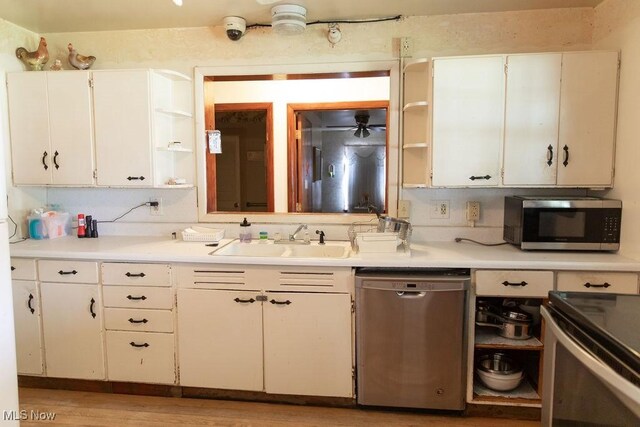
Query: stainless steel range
point(591, 360)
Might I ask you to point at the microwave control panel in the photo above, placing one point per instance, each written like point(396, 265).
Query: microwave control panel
point(611, 232)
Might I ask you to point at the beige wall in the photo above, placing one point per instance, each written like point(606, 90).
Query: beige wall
point(617, 27)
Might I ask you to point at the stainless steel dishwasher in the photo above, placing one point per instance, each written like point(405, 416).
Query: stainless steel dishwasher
point(410, 337)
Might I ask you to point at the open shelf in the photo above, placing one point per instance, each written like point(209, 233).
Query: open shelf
point(416, 145)
point(175, 149)
point(415, 104)
point(486, 337)
point(524, 394)
point(173, 75)
point(174, 113)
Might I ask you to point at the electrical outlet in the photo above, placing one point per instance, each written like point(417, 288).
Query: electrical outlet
point(473, 211)
point(406, 47)
point(156, 210)
point(404, 209)
point(440, 209)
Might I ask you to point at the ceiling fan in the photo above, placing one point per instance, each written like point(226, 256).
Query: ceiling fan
point(362, 127)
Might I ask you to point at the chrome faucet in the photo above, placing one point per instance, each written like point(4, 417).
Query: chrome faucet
point(292, 237)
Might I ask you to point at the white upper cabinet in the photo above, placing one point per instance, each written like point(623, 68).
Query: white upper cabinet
point(51, 128)
point(468, 115)
point(588, 102)
point(560, 119)
point(123, 128)
point(531, 119)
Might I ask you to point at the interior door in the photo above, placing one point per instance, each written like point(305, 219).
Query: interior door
point(228, 174)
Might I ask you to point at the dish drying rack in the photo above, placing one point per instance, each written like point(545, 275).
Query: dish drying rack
point(368, 230)
point(202, 234)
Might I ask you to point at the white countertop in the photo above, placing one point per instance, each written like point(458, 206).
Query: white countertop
point(433, 254)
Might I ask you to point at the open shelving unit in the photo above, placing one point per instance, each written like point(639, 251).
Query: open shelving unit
point(529, 353)
point(415, 123)
point(173, 130)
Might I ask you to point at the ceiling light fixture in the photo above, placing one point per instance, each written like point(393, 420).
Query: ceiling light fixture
point(288, 19)
point(177, 2)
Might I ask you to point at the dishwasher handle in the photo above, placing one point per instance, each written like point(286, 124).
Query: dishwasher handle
point(411, 294)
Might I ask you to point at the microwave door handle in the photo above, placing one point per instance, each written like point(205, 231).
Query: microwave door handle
point(623, 389)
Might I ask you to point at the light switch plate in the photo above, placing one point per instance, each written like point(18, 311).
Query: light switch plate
point(404, 209)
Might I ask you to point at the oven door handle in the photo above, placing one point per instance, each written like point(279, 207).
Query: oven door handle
point(623, 389)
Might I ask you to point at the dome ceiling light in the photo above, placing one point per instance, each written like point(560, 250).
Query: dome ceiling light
point(288, 19)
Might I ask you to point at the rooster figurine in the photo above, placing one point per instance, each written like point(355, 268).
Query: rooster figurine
point(34, 60)
point(78, 61)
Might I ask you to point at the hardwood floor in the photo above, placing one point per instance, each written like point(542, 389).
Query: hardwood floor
point(79, 408)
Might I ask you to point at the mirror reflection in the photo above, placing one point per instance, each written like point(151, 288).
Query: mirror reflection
point(338, 159)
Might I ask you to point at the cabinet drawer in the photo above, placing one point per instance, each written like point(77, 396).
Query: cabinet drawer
point(133, 319)
point(618, 283)
point(137, 297)
point(23, 269)
point(136, 274)
point(141, 357)
point(68, 271)
point(523, 283)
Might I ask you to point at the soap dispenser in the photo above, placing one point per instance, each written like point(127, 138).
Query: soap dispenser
point(245, 231)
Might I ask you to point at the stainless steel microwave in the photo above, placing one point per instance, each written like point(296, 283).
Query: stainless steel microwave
point(562, 223)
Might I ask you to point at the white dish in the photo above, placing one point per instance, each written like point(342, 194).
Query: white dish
point(500, 382)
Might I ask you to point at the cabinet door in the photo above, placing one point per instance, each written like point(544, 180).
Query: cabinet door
point(26, 311)
point(307, 344)
point(468, 116)
point(220, 339)
point(29, 122)
point(587, 118)
point(123, 127)
point(70, 123)
point(72, 324)
point(531, 119)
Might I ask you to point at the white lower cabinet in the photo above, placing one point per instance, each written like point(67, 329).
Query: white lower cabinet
point(141, 357)
point(220, 339)
point(139, 322)
point(291, 334)
point(72, 326)
point(307, 344)
point(26, 312)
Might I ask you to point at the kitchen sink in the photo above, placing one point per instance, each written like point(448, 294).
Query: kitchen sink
point(286, 250)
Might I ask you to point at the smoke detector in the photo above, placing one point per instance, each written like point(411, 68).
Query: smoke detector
point(288, 19)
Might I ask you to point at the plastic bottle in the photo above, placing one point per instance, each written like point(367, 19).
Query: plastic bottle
point(81, 226)
point(245, 231)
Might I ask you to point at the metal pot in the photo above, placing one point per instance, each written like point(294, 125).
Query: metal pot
point(394, 225)
point(509, 327)
point(484, 308)
point(387, 224)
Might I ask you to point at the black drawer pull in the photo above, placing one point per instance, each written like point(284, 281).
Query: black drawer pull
point(287, 302)
point(473, 178)
point(135, 274)
point(130, 297)
point(62, 273)
point(523, 283)
point(133, 344)
point(44, 160)
point(137, 321)
point(12, 268)
point(596, 285)
point(135, 178)
point(55, 160)
point(250, 300)
point(31, 309)
point(93, 313)
point(549, 155)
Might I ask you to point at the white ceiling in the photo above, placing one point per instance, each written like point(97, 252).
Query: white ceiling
point(49, 16)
